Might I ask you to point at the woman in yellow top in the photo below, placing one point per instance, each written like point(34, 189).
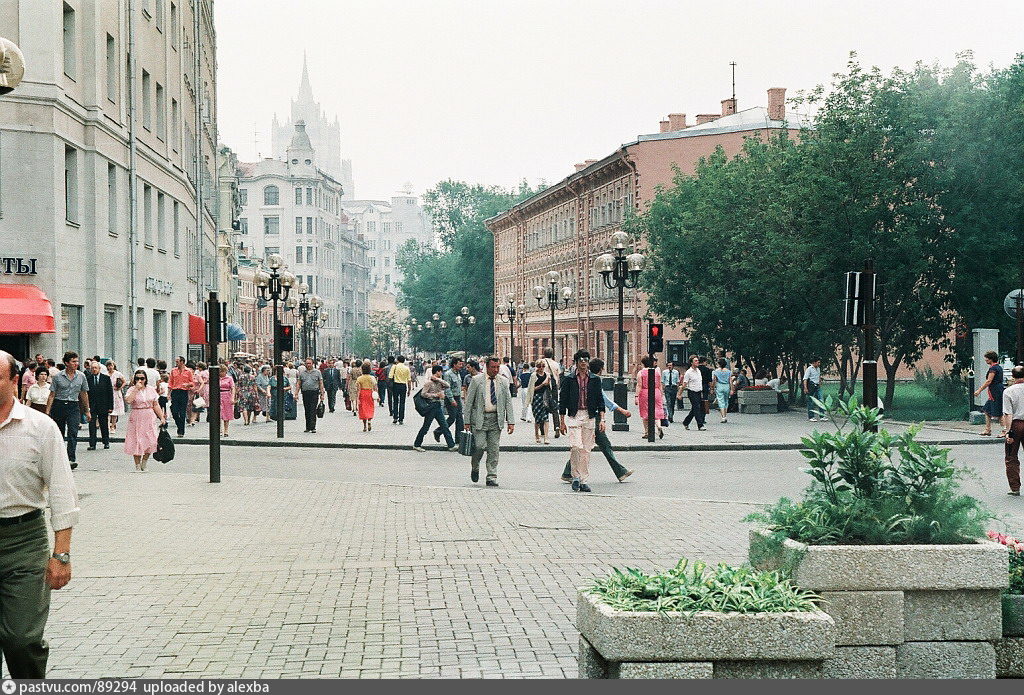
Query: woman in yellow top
point(367, 388)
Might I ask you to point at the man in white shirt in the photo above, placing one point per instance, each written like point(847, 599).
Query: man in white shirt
point(693, 381)
point(1013, 423)
point(555, 370)
point(812, 389)
point(36, 474)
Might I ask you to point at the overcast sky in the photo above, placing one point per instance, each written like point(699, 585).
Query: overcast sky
point(494, 92)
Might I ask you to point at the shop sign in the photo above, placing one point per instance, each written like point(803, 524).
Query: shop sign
point(17, 266)
point(159, 286)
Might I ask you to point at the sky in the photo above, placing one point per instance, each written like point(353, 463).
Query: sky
point(496, 92)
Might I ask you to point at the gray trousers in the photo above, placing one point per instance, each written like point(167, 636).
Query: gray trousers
point(24, 598)
point(486, 439)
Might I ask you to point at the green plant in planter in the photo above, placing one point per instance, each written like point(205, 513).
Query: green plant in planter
point(875, 488)
point(697, 587)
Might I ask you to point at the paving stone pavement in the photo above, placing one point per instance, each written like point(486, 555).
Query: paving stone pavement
point(272, 577)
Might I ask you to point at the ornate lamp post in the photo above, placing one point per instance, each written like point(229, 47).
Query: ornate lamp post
point(435, 326)
point(556, 300)
point(276, 285)
point(465, 320)
point(620, 271)
point(316, 320)
point(508, 315)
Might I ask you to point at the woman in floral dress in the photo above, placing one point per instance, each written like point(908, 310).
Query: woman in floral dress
point(248, 398)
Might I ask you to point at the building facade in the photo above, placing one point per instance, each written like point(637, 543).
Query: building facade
point(355, 283)
point(107, 175)
point(565, 227)
point(386, 226)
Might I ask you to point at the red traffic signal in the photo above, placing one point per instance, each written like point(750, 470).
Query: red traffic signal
point(286, 338)
point(655, 338)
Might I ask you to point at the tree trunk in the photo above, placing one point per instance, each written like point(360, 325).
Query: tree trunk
point(890, 378)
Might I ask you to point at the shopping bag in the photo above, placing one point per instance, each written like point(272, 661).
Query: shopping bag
point(320, 409)
point(199, 402)
point(164, 446)
point(467, 442)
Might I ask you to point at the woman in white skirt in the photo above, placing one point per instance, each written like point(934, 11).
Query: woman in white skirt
point(117, 381)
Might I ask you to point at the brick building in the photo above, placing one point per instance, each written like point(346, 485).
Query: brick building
point(566, 226)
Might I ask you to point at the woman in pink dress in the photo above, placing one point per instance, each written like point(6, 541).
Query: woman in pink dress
point(227, 398)
point(140, 438)
point(643, 396)
point(201, 390)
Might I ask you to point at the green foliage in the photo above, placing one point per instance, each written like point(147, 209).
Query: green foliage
point(697, 587)
point(945, 387)
point(876, 488)
point(362, 342)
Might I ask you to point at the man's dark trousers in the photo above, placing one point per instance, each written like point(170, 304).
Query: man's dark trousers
point(310, 397)
point(399, 391)
point(25, 599)
point(605, 445)
point(332, 398)
point(1012, 458)
point(68, 417)
point(391, 397)
point(179, 409)
point(696, 408)
point(670, 401)
point(454, 416)
point(99, 420)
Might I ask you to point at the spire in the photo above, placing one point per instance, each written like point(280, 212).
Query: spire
point(305, 89)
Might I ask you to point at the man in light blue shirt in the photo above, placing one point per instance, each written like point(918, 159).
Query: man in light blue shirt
point(670, 384)
point(453, 396)
point(601, 437)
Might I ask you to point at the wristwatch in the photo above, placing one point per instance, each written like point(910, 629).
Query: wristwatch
point(63, 558)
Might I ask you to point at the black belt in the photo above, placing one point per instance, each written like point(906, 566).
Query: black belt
point(12, 520)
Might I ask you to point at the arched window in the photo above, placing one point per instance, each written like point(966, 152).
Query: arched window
point(271, 196)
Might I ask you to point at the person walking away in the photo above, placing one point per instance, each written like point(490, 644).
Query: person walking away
point(382, 383)
point(182, 383)
point(36, 475)
point(390, 384)
point(994, 386)
point(812, 389)
point(1013, 425)
point(537, 395)
point(353, 386)
point(453, 397)
point(38, 394)
point(152, 373)
point(201, 391)
point(248, 400)
point(332, 382)
point(705, 372)
point(601, 435)
point(311, 384)
point(69, 401)
point(400, 378)
point(722, 379)
point(693, 381)
point(163, 391)
point(555, 370)
point(346, 371)
point(140, 437)
point(228, 397)
point(117, 380)
point(526, 402)
point(642, 398)
point(581, 403)
point(434, 392)
point(488, 407)
point(101, 402)
point(367, 385)
point(263, 392)
point(670, 386)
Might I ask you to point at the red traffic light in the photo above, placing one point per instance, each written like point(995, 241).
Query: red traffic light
point(655, 330)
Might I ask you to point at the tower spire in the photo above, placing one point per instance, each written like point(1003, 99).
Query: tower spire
point(305, 89)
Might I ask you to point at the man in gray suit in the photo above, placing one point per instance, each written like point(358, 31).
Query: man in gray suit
point(488, 405)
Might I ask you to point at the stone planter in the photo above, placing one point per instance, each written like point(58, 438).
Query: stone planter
point(1013, 615)
point(903, 611)
point(1010, 649)
point(618, 644)
point(758, 400)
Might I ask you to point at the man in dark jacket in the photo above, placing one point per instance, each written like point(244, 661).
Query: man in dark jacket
point(581, 403)
point(101, 402)
point(332, 382)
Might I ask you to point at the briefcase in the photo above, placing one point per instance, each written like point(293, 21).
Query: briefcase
point(466, 443)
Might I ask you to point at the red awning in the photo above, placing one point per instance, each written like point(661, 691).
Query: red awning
point(196, 330)
point(25, 309)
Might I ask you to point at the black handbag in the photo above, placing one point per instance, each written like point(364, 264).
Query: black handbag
point(421, 404)
point(164, 446)
point(320, 409)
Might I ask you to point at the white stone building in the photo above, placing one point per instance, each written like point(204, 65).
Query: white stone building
point(386, 226)
point(93, 128)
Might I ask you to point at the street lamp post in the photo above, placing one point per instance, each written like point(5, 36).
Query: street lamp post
point(434, 327)
point(509, 315)
point(620, 271)
point(276, 285)
point(465, 320)
point(556, 299)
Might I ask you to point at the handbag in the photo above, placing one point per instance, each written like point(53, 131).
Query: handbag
point(467, 442)
point(164, 446)
point(238, 411)
point(421, 404)
point(199, 402)
point(320, 409)
point(707, 407)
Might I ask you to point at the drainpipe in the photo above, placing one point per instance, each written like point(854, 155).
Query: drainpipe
point(133, 187)
point(197, 68)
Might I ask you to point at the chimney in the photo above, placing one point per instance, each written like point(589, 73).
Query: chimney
point(728, 106)
point(664, 126)
point(676, 121)
point(580, 166)
point(706, 117)
point(777, 103)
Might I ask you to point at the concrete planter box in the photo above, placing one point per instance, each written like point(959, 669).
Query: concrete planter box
point(701, 645)
point(1013, 615)
point(758, 400)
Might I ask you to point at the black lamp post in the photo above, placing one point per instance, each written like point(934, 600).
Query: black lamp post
point(434, 327)
point(620, 271)
point(465, 320)
point(275, 285)
point(557, 299)
point(509, 315)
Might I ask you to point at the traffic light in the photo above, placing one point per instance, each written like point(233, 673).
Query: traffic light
point(286, 338)
point(655, 338)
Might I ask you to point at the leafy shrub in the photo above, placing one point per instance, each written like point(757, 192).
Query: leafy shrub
point(945, 387)
point(876, 488)
point(690, 588)
point(1016, 548)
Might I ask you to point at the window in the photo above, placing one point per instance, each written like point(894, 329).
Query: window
point(243, 225)
point(298, 254)
point(159, 27)
point(271, 225)
point(176, 328)
point(309, 193)
point(147, 101)
point(373, 262)
point(147, 207)
point(387, 261)
point(110, 331)
point(175, 119)
point(111, 198)
point(111, 68)
point(71, 327)
point(176, 226)
point(161, 222)
point(159, 332)
point(387, 280)
point(298, 196)
point(385, 227)
point(298, 225)
point(271, 196)
point(309, 225)
point(309, 281)
point(398, 227)
point(243, 196)
point(310, 256)
point(174, 26)
point(70, 42)
point(70, 184)
point(270, 250)
point(371, 227)
point(161, 108)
